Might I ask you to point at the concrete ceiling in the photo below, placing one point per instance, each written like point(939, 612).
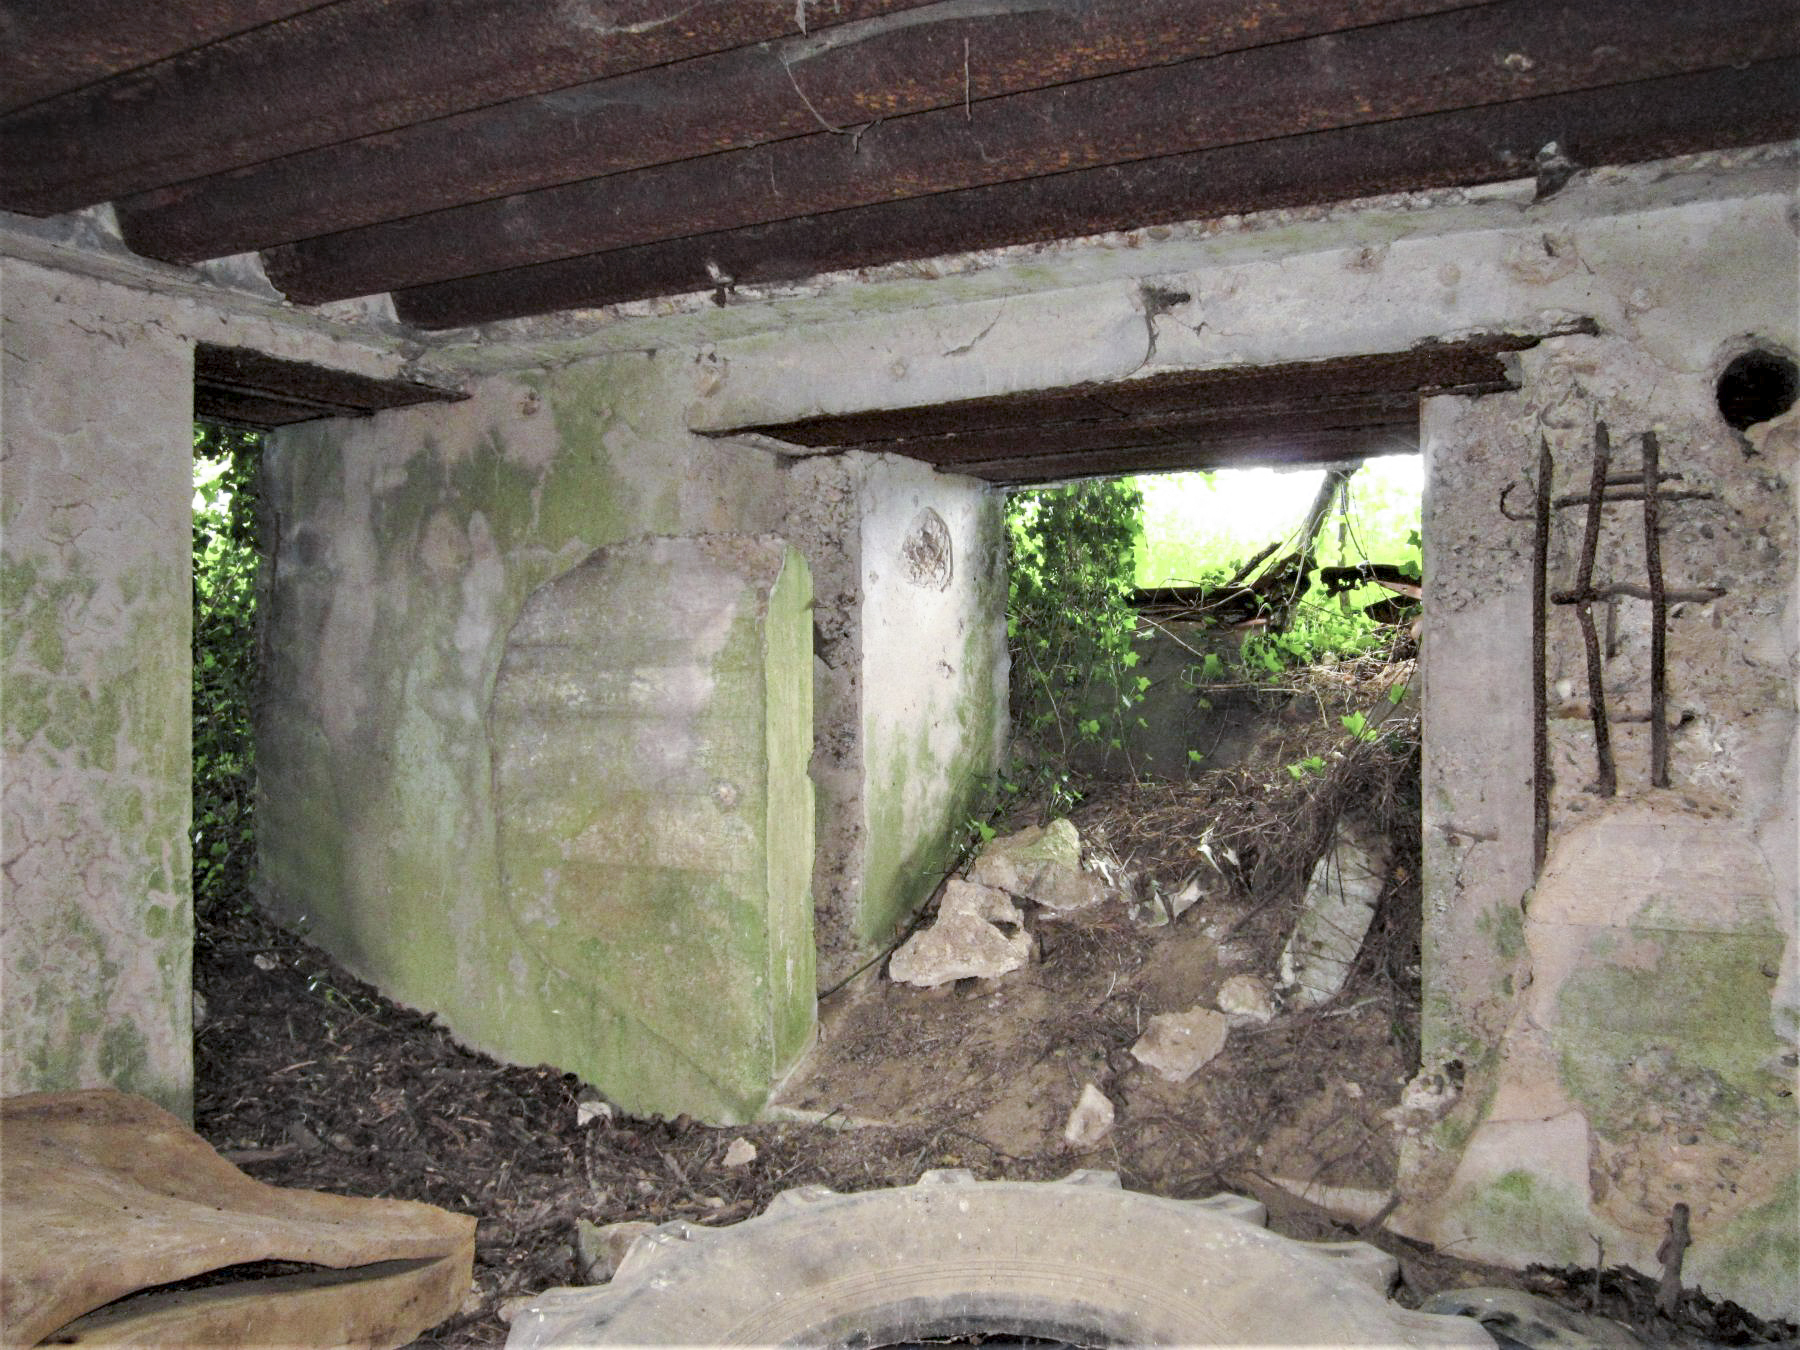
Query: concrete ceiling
point(486, 159)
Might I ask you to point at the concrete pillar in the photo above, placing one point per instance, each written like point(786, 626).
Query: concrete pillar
point(651, 726)
point(96, 482)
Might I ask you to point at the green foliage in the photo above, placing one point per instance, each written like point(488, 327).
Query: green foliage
point(1200, 527)
point(225, 563)
point(1069, 622)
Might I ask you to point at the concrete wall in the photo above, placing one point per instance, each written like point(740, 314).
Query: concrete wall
point(1627, 1018)
point(910, 680)
point(409, 546)
point(96, 481)
point(96, 932)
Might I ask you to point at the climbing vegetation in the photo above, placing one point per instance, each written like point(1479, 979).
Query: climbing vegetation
point(1070, 623)
point(225, 566)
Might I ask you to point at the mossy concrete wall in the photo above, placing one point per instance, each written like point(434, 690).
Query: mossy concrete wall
point(409, 548)
point(96, 923)
point(96, 540)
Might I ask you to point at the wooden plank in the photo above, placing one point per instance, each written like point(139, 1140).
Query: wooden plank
point(1029, 440)
point(1638, 121)
point(356, 68)
point(951, 54)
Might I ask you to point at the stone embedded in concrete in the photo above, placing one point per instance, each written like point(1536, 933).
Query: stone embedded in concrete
point(1090, 1121)
point(651, 722)
point(965, 940)
point(1041, 863)
point(1245, 998)
point(1335, 915)
point(1177, 1045)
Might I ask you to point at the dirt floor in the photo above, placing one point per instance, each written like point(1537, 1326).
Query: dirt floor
point(306, 1077)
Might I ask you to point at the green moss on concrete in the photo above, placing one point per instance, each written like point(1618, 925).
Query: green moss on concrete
point(1690, 1024)
point(1759, 1250)
point(1522, 1211)
point(788, 838)
point(1504, 926)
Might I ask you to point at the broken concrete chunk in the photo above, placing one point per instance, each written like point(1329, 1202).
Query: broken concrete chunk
point(599, 1249)
point(1340, 902)
point(964, 940)
point(1041, 864)
point(1246, 997)
point(740, 1153)
point(1090, 1121)
point(977, 901)
point(1177, 1044)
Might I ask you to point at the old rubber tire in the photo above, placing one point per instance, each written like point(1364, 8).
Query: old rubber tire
point(1078, 1260)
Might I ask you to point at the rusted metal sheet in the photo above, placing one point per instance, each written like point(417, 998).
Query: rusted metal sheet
point(948, 54)
point(248, 388)
point(1266, 446)
point(50, 49)
point(1643, 120)
point(353, 69)
point(1492, 54)
point(104, 1195)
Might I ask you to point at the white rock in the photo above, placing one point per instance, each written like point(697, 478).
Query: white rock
point(740, 1152)
point(1340, 902)
point(963, 940)
point(1090, 1121)
point(1186, 898)
point(1177, 1044)
point(1246, 998)
point(591, 1106)
point(1041, 864)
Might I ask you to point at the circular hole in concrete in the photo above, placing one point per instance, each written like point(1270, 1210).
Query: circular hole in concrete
point(1756, 386)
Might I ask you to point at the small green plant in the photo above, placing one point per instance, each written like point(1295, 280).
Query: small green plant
point(1358, 726)
point(1311, 764)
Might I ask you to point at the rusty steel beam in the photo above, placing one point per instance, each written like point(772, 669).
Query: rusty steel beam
point(954, 53)
point(250, 388)
point(356, 68)
point(1645, 120)
point(1267, 446)
point(1025, 441)
point(1470, 365)
point(48, 49)
point(1473, 57)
